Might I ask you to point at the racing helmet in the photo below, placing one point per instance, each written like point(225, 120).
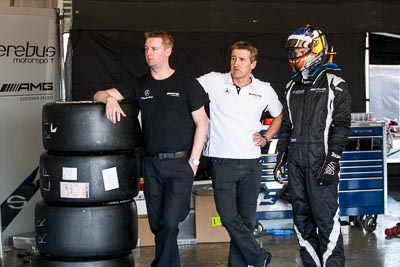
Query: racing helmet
point(314, 40)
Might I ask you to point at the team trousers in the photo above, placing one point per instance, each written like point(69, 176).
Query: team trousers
point(167, 189)
point(315, 211)
point(236, 184)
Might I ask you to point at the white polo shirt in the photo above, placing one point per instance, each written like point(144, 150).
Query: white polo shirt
point(234, 118)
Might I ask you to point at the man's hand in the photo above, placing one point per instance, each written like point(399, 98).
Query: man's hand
point(113, 110)
point(260, 140)
point(279, 170)
point(194, 167)
point(329, 172)
point(110, 97)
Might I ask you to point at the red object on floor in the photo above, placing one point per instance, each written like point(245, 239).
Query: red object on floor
point(393, 231)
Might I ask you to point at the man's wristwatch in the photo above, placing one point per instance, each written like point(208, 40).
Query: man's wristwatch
point(195, 162)
point(266, 139)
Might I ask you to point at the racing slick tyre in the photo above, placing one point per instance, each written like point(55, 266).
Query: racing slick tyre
point(83, 127)
point(86, 232)
point(86, 180)
point(123, 261)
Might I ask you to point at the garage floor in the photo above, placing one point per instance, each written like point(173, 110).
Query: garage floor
point(361, 248)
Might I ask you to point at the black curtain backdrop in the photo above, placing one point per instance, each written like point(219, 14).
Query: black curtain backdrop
point(384, 49)
point(105, 59)
point(107, 37)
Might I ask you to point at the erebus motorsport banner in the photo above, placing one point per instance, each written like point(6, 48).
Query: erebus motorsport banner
point(29, 78)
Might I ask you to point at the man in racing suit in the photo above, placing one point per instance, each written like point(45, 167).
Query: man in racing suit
point(315, 128)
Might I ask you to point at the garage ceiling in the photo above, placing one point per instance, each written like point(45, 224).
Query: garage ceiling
point(273, 16)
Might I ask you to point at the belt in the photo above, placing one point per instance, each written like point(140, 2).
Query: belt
point(173, 155)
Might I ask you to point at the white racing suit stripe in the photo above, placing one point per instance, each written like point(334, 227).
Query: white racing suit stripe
point(310, 249)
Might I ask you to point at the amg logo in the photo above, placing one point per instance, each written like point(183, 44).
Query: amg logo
point(29, 87)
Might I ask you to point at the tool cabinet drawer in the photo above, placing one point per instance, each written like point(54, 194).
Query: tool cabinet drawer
point(361, 198)
point(359, 183)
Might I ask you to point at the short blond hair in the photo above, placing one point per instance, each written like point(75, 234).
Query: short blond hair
point(168, 40)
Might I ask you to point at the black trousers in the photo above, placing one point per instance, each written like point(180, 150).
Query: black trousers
point(315, 210)
point(167, 189)
point(236, 184)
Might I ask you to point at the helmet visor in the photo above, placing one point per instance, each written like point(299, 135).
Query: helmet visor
point(299, 41)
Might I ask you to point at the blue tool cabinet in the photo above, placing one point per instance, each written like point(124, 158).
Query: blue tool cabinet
point(363, 174)
point(363, 179)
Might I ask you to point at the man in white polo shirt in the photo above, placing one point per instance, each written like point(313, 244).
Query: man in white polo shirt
point(238, 101)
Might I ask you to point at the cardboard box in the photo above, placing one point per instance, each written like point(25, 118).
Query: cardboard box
point(206, 216)
point(145, 236)
point(186, 231)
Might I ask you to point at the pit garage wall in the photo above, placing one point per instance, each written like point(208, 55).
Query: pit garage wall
point(29, 78)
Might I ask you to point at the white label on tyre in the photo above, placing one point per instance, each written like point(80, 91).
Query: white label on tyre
point(74, 190)
point(110, 179)
point(69, 174)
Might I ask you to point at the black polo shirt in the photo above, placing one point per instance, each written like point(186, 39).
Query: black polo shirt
point(166, 107)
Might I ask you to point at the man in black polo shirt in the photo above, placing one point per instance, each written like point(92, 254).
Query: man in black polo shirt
point(175, 126)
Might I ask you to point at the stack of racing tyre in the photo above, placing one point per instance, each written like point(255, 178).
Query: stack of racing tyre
point(89, 176)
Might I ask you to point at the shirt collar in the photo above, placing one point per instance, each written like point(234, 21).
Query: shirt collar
point(229, 80)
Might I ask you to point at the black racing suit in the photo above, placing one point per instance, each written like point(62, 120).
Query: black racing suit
point(317, 118)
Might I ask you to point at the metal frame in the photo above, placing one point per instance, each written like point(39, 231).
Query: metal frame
point(1, 243)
